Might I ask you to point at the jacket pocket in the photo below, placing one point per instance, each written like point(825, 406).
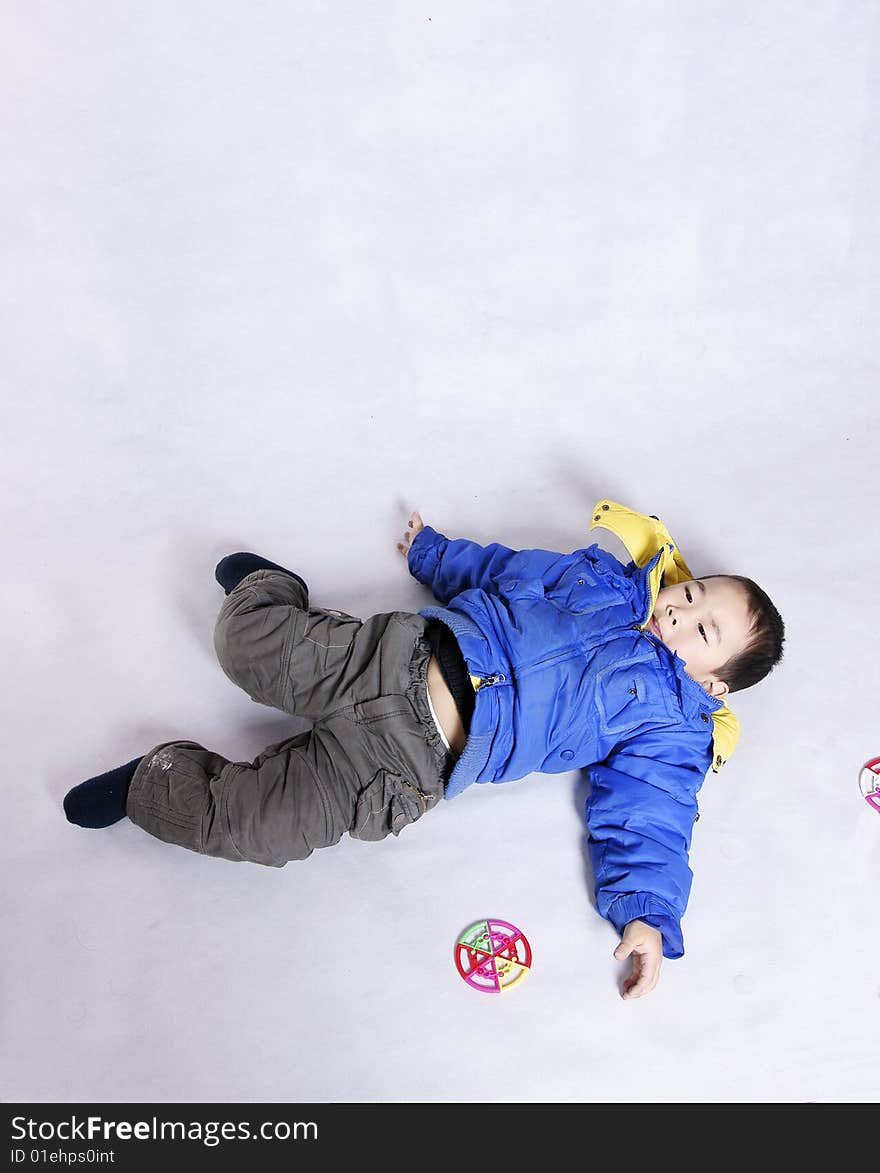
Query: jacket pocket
point(621, 699)
point(628, 696)
point(386, 805)
point(580, 590)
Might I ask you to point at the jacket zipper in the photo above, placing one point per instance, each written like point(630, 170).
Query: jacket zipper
point(500, 678)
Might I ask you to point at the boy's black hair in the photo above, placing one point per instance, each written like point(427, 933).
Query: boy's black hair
point(764, 649)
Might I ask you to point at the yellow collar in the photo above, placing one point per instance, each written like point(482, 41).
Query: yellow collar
point(645, 537)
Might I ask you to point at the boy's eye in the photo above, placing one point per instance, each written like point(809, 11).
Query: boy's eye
point(703, 632)
point(687, 594)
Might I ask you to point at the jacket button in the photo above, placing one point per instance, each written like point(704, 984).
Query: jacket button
point(718, 760)
point(697, 817)
point(606, 507)
point(597, 517)
point(703, 717)
point(580, 582)
point(568, 754)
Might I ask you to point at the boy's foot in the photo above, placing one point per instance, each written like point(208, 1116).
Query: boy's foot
point(100, 802)
point(230, 570)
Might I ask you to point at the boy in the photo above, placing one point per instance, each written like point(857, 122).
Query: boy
point(535, 661)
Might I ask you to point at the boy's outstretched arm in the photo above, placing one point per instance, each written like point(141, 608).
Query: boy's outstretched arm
point(645, 945)
point(640, 816)
point(448, 566)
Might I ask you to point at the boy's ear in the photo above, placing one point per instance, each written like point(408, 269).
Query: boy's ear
point(717, 688)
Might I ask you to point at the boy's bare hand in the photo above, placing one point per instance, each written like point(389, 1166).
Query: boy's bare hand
point(645, 945)
point(416, 525)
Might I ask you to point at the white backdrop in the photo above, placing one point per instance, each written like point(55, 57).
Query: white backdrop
point(274, 274)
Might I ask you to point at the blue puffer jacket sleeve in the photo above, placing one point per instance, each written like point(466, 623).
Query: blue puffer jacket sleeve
point(449, 566)
point(640, 815)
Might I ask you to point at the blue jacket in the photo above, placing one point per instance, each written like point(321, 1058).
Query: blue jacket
point(566, 677)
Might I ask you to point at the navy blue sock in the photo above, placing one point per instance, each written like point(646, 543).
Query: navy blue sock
point(234, 567)
point(100, 801)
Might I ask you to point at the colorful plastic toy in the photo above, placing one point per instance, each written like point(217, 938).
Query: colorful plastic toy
point(492, 956)
point(869, 783)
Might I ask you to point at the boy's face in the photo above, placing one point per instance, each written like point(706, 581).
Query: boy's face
point(705, 622)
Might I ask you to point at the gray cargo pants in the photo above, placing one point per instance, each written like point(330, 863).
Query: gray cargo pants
point(372, 763)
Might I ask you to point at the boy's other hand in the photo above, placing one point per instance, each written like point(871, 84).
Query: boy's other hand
point(416, 525)
point(645, 945)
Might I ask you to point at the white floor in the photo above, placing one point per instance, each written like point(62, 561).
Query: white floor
point(274, 274)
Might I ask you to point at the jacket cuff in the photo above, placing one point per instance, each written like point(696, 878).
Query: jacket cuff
point(645, 907)
point(424, 555)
